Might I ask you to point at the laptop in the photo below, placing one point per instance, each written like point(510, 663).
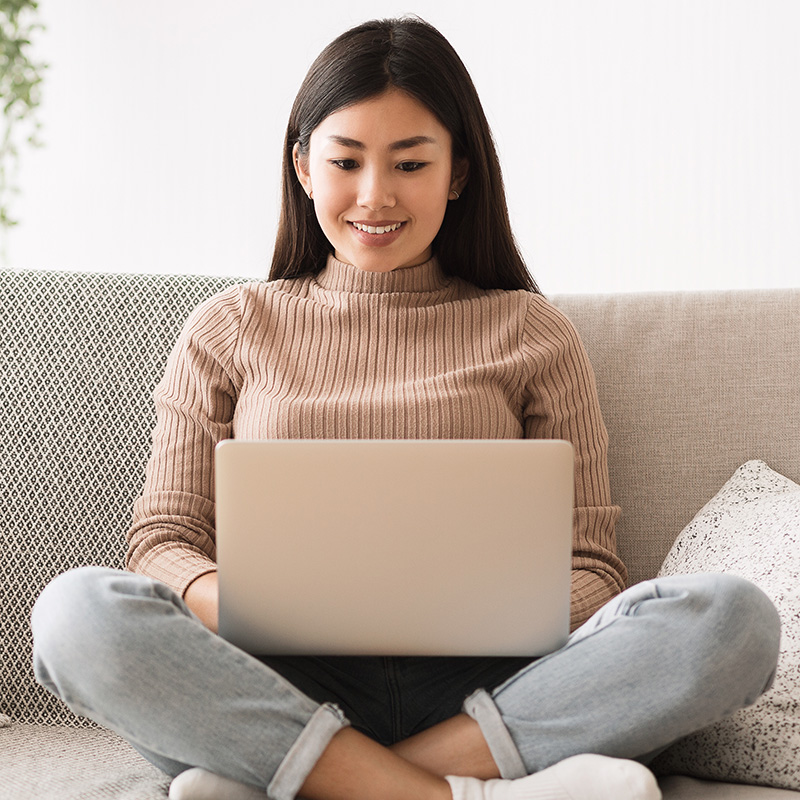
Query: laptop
point(394, 547)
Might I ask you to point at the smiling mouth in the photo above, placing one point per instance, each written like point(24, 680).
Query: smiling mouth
point(377, 229)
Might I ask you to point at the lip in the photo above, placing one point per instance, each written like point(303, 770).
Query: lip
point(377, 223)
point(376, 239)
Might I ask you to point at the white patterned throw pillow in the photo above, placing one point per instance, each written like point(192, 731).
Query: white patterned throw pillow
point(752, 529)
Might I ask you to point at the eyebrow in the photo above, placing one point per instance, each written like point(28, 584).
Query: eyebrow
point(402, 144)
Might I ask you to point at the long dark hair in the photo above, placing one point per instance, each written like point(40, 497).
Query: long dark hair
point(475, 241)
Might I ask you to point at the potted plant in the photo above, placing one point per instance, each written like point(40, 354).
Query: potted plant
point(20, 81)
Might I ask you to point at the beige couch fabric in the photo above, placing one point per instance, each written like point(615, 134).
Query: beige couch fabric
point(680, 788)
point(691, 386)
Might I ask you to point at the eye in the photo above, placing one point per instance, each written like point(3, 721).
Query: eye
point(344, 163)
point(410, 166)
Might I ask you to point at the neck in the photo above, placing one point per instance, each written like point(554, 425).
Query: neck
point(425, 277)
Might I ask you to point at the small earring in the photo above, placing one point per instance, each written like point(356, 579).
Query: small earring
point(311, 195)
point(457, 195)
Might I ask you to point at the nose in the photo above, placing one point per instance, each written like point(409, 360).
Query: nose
point(376, 191)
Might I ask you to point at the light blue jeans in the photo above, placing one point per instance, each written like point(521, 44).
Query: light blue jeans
point(661, 660)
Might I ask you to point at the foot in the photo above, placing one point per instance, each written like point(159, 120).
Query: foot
point(199, 784)
point(583, 777)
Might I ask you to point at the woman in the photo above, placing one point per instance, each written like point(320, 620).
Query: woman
point(399, 308)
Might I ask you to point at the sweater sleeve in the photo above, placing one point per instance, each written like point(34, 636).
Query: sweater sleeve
point(561, 403)
point(172, 534)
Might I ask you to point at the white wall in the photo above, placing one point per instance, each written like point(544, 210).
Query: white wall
point(647, 144)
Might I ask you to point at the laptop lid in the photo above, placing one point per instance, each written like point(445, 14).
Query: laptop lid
point(394, 547)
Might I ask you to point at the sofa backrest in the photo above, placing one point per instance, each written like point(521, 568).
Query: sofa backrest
point(691, 385)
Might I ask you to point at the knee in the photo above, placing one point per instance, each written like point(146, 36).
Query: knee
point(737, 610)
point(753, 626)
point(83, 615)
point(736, 631)
point(66, 613)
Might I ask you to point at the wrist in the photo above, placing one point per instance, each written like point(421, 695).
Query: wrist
point(202, 598)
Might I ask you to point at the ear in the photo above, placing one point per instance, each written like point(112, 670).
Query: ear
point(301, 169)
point(460, 175)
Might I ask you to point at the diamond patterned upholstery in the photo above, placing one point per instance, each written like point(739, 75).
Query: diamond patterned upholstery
point(79, 356)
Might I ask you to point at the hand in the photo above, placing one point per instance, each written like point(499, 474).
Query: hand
point(202, 597)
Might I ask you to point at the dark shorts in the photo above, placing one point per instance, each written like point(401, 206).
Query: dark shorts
point(390, 699)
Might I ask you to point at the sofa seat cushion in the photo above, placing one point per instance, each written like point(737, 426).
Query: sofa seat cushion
point(681, 788)
point(58, 762)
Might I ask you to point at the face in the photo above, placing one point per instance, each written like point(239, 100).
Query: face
point(381, 173)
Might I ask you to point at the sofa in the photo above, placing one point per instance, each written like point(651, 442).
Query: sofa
point(692, 386)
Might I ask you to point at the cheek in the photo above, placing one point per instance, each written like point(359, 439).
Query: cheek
point(432, 205)
point(330, 203)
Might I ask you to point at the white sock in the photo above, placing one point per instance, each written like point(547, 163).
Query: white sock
point(583, 777)
point(199, 784)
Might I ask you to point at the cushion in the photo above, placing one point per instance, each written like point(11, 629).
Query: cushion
point(60, 762)
point(750, 528)
point(80, 354)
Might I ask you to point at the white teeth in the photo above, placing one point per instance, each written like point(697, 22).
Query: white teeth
point(380, 229)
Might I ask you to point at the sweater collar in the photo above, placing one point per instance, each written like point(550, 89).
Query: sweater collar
point(343, 277)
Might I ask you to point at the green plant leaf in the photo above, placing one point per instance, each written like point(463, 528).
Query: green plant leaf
point(20, 79)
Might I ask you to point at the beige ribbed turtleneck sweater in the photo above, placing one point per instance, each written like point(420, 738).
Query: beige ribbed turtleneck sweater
point(407, 354)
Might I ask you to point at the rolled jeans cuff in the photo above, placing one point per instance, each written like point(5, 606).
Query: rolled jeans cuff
point(324, 724)
point(480, 706)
